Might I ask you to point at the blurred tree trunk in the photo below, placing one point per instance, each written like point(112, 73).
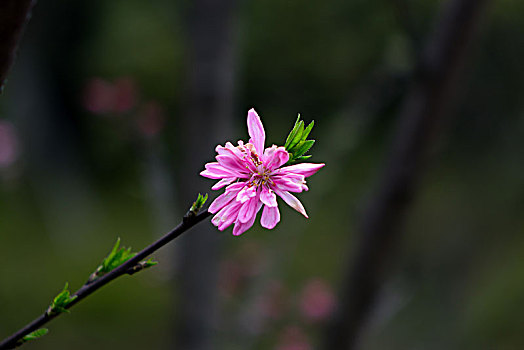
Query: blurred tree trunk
point(43, 102)
point(206, 121)
point(14, 15)
point(424, 109)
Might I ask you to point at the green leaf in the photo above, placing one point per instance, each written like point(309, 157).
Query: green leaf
point(107, 261)
point(308, 130)
point(302, 158)
point(297, 143)
point(298, 136)
point(61, 301)
point(149, 262)
point(117, 256)
point(197, 205)
point(303, 147)
point(292, 133)
point(35, 335)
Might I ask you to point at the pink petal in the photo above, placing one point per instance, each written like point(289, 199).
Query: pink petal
point(292, 201)
point(224, 182)
point(233, 164)
point(243, 227)
point(217, 219)
point(220, 202)
point(216, 171)
point(268, 197)
point(276, 158)
point(293, 183)
point(247, 210)
point(306, 169)
point(256, 131)
point(270, 217)
point(236, 187)
point(246, 193)
point(228, 149)
point(226, 216)
point(226, 197)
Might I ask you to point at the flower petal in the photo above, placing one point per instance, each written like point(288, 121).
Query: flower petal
point(256, 131)
point(233, 164)
point(229, 148)
point(270, 217)
point(306, 169)
point(289, 182)
point(224, 182)
point(292, 201)
point(226, 216)
point(220, 202)
point(225, 198)
point(268, 197)
point(276, 158)
point(216, 171)
point(247, 210)
point(217, 219)
point(246, 193)
point(243, 227)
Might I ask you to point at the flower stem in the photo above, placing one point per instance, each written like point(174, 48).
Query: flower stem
point(87, 289)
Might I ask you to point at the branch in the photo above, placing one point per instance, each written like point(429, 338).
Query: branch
point(14, 14)
point(129, 267)
point(421, 116)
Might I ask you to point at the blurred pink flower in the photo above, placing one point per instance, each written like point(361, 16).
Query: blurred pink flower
point(99, 96)
point(151, 119)
point(317, 300)
point(293, 338)
point(255, 177)
point(9, 147)
point(125, 95)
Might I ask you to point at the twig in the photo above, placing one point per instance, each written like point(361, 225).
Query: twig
point(423, 112)
point(190, 219)
point(14, 15)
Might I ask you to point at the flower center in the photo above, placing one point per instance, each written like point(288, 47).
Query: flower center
point(261, 175)
point(250, 153)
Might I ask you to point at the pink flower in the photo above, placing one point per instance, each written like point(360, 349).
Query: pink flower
point(254, 176)
point(102, 97)
point(317, 301)
point(98, 96)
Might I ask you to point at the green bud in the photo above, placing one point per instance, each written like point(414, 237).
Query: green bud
point(197, 205)
point(61, 301)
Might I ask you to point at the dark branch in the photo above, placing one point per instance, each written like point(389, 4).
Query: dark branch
point(89, 288)
point(421, 116)
point(14, 14)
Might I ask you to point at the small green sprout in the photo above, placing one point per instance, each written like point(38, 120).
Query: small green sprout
point(197, 205)
point(33, 335)
point(39, 333)
point(195, 208)
point(141, 266)
point(296, 142)
point(116, 257)
point(61, 301)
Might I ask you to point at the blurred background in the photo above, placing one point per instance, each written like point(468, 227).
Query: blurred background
point(113, 108)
